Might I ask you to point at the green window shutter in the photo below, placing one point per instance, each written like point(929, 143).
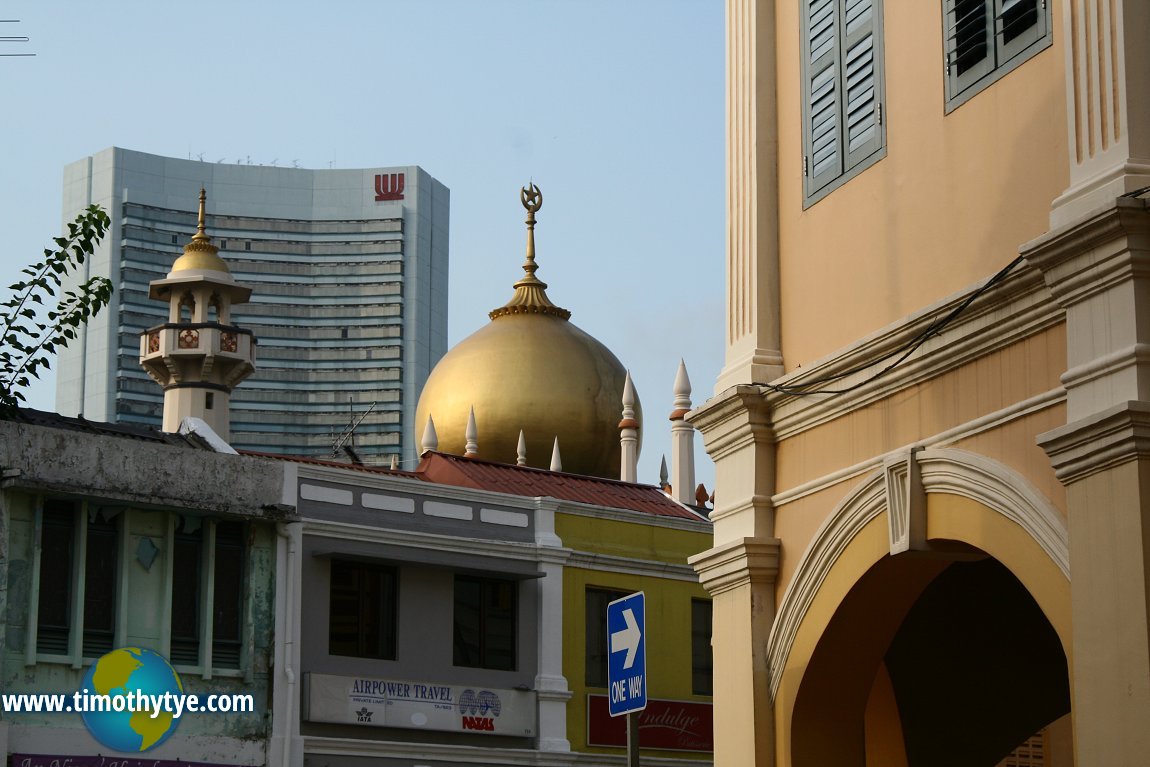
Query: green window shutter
point(822, 93)
point(862, 57)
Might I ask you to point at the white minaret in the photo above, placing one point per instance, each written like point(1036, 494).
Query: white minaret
point(629, 435)
point(198, 356)
point(682, 441)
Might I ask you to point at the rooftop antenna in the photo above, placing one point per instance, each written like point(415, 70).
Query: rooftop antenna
point(348, 434)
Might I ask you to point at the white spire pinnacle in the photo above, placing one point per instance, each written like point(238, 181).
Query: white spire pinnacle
point(628, 397)
point(682, 441)
point(430, 439)
point(471, 450)
point(628, 435)
point(521, 450)
point(556, 462)
point(682, 388)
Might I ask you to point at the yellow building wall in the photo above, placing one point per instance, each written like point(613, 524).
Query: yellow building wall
point(946, 208)
point(668, 613)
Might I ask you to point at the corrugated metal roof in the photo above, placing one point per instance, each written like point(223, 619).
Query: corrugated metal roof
point(445, 469)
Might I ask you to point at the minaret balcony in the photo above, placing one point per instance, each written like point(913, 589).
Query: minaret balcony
point(189, 351)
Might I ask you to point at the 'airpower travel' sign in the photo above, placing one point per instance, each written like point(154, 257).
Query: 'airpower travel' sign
point(378, 702)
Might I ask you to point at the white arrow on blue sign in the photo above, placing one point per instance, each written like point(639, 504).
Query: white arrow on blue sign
point(627, 655)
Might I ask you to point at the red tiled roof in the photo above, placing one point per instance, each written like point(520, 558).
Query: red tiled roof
point(445, 469)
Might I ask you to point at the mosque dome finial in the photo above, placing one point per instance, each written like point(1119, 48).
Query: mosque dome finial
point(200, 253)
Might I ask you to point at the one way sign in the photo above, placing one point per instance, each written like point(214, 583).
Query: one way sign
point(626, 655)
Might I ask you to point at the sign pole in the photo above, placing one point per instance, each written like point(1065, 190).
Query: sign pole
point(633, 739)
point(627, 665)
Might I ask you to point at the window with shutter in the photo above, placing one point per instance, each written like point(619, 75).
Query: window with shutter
point(842, 92)
point(986, 39)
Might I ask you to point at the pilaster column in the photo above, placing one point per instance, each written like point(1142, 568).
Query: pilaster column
point(551, 689)
point(753, 341)
point(740, 572)
point(737, 436)
point(1104, 461)
point(1107, 103)
point(740, 576)
point(1098, 268)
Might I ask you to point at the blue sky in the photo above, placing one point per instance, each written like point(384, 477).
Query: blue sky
point(615, 109)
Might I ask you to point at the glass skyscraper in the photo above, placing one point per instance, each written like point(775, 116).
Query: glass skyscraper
point(348, 270)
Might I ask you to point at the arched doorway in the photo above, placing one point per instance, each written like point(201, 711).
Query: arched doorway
point(952, 652)
point(932, 659)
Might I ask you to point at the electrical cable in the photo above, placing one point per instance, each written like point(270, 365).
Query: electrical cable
point(901, 354)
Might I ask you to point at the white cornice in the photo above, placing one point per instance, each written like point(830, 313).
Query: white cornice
point(1099, 442)
point(645, 567)
point(737, 563)
point(414, 539)
point(634, 517)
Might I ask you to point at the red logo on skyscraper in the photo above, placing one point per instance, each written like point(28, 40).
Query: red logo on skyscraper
point(388, 186)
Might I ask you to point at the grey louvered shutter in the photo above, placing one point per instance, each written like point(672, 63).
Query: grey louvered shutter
point(1018, 25)
point(969, 43)
point(862, 87)
point(822, 94)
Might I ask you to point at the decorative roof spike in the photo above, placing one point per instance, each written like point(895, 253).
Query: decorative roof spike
point(521, 450)
point(471, 450)
point(682, 391)
point(530, 292)
point(430, 439)
point(556, 461)
point(663, 472)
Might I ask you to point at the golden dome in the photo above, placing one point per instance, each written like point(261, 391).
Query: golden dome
point(530, 369)
point(200, 253)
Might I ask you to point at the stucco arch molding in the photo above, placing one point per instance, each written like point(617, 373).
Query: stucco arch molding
point(900, 489)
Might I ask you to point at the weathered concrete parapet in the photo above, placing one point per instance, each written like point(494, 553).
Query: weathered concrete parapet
point(38, 458)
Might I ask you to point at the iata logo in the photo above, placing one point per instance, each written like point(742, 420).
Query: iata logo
point(363, 715)
point(479, 710)
point(388, 186)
